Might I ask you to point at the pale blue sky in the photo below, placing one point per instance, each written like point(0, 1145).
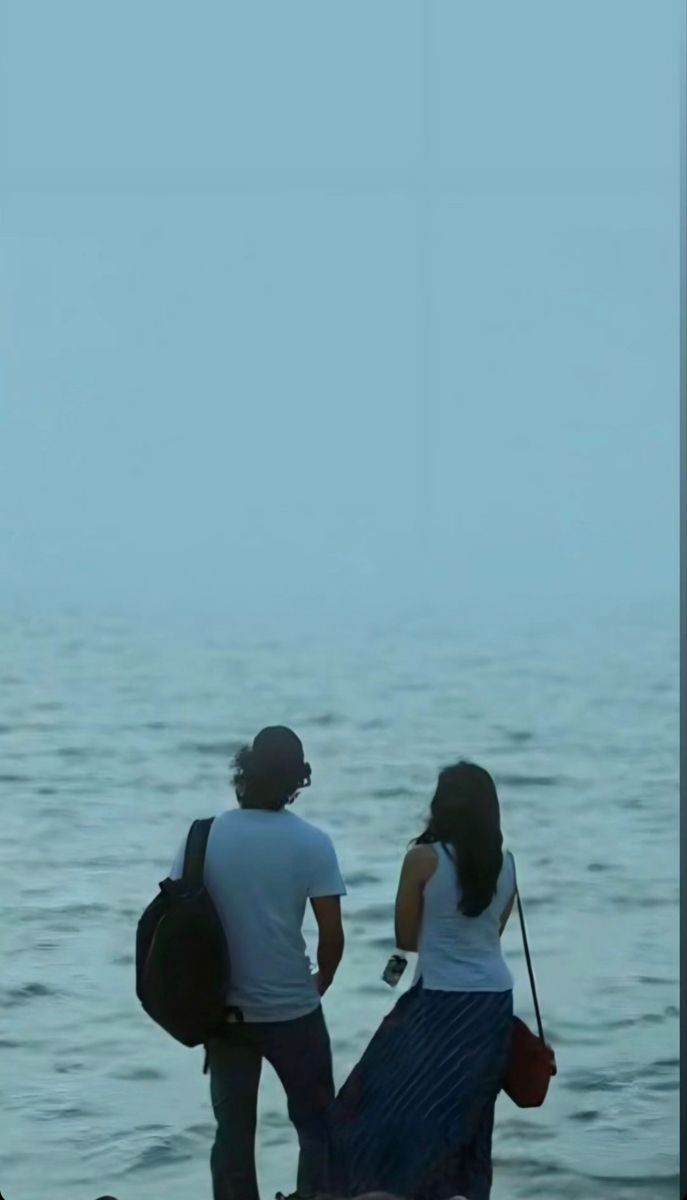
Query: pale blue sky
point(320, 301)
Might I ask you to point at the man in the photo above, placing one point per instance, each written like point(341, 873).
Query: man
point(263, 866)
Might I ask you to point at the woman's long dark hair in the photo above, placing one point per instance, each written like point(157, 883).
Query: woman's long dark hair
point(465, 816)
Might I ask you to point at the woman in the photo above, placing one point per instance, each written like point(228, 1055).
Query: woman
point(416, 1116)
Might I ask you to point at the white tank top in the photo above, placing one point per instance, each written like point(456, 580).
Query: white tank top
point(458, 953)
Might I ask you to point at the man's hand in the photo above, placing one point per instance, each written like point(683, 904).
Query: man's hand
point(321, 983)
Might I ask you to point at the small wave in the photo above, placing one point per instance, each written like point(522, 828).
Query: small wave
point(10, 777)
point(591, 1081)
point(537, 1169)
point(64, 910)
point(634, 1183)
point(515, 1128)
point(16, 997)
point(273, 1119)
point(119, 1143)
point(202, 1129)
point(525, 781)
point(611, 1079)
point(559, 1037)
point(128, 912)
point(374, 913)
point(167, 1151)
point(324, 721)
point(137, 1074)
point(548, 901)
point(664, 1085)
point(626, 1023)
point(361, 878)
point(625, 900)
point(381, 943)
point(393, 793)
point(276, 1139)
point(73, 1112)
point(219, 749)
point(666, 1064)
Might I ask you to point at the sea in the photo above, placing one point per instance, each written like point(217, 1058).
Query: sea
point(117, 731)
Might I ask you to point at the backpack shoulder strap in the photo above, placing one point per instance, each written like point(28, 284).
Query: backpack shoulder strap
point(196, 846)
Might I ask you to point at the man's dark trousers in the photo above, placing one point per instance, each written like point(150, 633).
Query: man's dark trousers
point(300, 1053)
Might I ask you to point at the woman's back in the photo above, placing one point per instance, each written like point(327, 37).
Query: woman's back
point(459, 953)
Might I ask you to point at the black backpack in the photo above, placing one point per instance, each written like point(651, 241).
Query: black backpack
point(182, 962)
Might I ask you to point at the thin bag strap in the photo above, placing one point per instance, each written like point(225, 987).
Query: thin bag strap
point(528, 958)
point(194, 858)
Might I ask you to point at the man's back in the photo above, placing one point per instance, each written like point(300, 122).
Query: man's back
point(261, 869)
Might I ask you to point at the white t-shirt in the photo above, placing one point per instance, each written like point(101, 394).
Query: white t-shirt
point(458, 953)
point(261, 868)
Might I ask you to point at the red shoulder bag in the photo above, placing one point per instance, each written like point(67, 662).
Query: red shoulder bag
point(532, 1062)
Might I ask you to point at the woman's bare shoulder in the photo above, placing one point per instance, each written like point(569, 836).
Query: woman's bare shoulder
point(421, 861)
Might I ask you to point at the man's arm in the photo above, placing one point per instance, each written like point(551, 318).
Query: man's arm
point(331, 941)
point(325, 892)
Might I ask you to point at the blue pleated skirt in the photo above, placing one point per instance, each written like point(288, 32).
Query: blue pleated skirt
point(416, 1115)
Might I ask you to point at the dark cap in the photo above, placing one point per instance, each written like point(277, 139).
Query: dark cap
point(277, 747)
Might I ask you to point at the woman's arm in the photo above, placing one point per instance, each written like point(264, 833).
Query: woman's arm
point(506, 913)
point(419, 865)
